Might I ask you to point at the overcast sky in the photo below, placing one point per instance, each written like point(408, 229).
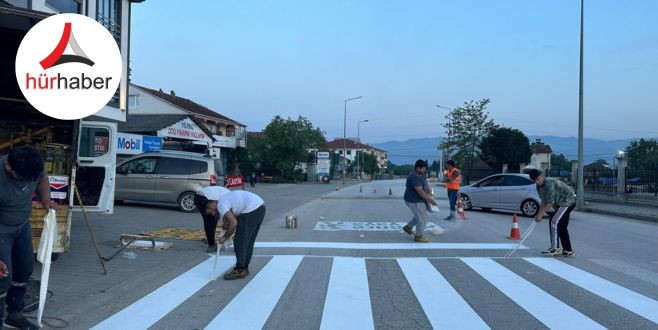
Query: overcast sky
point(251, 60)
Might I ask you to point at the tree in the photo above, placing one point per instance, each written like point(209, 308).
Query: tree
point(435, 167)
point(467, 126)
point(286, 145)
point(505, 146)
point(560, 163)
point(368, 163)
point(642, 154)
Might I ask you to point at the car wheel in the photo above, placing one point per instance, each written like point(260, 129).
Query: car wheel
point(466, 201)
point(186, 202)
point(529, 208)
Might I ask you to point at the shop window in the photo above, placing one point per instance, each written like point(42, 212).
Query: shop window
point(94, 142)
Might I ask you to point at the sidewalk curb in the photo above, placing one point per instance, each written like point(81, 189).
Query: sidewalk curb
point(622, 214)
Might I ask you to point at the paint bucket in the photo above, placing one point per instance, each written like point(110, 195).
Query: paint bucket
point(291, 222)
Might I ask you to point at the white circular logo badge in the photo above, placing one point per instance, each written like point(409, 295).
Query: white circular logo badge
point(68, 66)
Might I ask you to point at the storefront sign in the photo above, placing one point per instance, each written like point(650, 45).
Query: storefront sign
point(234, 181)
point(59, 186)
point(367, 226)
point(323, 166)
point(185, 129)
point(133, 144)
point(101, 145)
point(224, 141)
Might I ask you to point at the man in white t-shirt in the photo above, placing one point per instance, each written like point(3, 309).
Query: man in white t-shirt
point(203, 196)
point(242, 213)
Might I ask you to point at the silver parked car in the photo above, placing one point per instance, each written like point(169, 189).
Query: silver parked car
point(514, 192)
point(167, 176)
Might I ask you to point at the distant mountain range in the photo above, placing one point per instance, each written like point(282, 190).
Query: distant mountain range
point(407, 152)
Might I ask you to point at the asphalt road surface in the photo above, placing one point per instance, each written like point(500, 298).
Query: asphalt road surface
point(349, 266)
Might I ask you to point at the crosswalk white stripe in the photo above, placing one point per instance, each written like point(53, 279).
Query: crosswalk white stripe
point(633, 301)
point(443, 305)
point(389, 246)
point(544, 307)
point(154, 306)
point(347, 305)
point(251, 308)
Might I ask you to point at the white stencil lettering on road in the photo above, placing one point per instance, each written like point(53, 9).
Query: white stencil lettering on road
point(366, 226)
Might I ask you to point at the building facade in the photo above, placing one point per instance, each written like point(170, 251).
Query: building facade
point(181, 123)
point(541, 156)
point(352, 147)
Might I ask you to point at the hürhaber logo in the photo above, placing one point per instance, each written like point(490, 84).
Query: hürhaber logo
point(68, 66)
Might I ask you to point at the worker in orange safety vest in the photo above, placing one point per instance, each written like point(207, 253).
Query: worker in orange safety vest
point(453, 179)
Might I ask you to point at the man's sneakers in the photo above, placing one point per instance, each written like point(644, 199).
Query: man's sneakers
point(451, 217)
point(236, 273)
point(18, 321)
point(551, 251)
point(421, 239)
point(407, 230)
point(567, 254)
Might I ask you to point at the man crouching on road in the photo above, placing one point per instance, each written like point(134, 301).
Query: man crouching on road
point(21, 174)
point(416, 195)
point(555, 194)
point(242, 213)
point(212, 193)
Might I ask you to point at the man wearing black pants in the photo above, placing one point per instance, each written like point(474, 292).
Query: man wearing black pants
point(212, 193)
point(242, 213)
point(21, 174)
point(557, 194)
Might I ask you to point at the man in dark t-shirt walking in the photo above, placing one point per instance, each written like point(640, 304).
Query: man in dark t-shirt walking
point(417, 196)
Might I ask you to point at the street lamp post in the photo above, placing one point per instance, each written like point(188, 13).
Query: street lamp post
point(442, 151)
point(345, 135)
point(358, 138)
point(580, 197)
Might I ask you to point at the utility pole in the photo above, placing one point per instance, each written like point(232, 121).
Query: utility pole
point(344, 162)
point(580, 197)
point(359, 162)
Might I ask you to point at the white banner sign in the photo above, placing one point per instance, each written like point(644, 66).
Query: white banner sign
point(367, 226)
point(185, 129)
point(224, 141)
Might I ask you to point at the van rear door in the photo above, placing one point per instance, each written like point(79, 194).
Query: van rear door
point(95, 171)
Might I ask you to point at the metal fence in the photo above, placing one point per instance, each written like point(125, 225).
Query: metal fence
point(600, 180)
point(642, 182)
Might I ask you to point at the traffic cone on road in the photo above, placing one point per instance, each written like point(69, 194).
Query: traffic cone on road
point(374, 190)
point(460, 209)
point(337, 189)
point(515, 234)
point(390, 191)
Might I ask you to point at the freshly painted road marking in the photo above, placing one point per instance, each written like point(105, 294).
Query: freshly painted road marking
point(347, 305)
point(633, 301)
point(152, 307)
point(544, 307)
point(367, 226)
point(251, 308)
point(443, 305)
point(389, 246)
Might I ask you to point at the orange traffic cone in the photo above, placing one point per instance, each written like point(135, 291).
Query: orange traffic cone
point(460, 209)
point(515, 234)
point(337, 189)
point(390, 191)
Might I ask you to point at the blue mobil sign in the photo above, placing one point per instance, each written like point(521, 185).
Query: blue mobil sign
point(133, 144)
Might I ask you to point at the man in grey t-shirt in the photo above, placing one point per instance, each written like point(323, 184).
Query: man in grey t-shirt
point(21, 174)
point(417, 196)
